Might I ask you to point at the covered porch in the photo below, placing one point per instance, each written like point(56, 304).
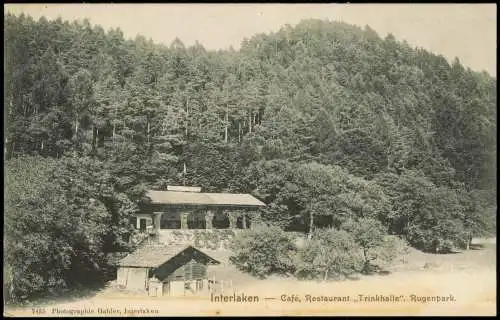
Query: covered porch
point(204, 219)
point(194, 210)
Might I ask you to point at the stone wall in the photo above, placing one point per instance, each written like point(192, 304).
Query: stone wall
point(214, 239)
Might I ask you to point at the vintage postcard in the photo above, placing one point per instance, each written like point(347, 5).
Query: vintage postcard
point(249, 160)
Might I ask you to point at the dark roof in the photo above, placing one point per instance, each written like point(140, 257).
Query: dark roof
point(153, 256)
point(198, 198)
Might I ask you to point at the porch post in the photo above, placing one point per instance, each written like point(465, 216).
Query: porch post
point(184, 220)
point(244, 221)
point(251, 216)
point(157, 221)
point(232, 219)
point(209, 217)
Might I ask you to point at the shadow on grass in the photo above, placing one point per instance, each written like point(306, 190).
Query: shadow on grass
point(476, 246)
point(376, 270)
point(450, 252)
point(442, 253)
point(353, 277)
point(359, 276)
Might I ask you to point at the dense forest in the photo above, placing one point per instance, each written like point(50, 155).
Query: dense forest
point(324, 122)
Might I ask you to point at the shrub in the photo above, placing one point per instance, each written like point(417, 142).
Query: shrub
point(369, 234)
point(263, 250)
point(392, 248)
point(442, 237)
point(331, 254)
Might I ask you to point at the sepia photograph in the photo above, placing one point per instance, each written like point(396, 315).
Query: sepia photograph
point(249, 160)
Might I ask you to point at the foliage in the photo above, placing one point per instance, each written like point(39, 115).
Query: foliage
point(263, 250)
point(325, 122)
point(302, 196)
point(53, 236)
point(393, 249)
point(368, 233)
point(479, 213)
point(331, 254)
point(430, 217)
point(322, 90)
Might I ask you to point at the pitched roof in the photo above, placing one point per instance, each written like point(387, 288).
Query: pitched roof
point(198, 198)
point(153, 256)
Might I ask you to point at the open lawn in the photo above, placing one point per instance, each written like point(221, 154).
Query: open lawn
point(467, 280)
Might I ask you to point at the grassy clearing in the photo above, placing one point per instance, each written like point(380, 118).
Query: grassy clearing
point(470, 276)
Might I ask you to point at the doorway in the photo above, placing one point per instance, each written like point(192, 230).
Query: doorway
point(142, 225)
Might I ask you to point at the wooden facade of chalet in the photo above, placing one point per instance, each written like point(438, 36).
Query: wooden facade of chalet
point(188, 208)
point(165, 270)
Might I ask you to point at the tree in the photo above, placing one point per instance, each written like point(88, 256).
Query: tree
point(331, 254)
point(325, 122)
point(479, 218)
point(369, 234)
point(46, 250)
point(263, 250)
point(83, 105)
point(428, 216)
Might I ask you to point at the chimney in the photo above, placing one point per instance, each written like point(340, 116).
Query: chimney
point(184, 189)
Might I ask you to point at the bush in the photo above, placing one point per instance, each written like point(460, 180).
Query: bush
point(442, 237)
point(263, 250)
point(392, 248)
point(369, 234)
point(331, 254)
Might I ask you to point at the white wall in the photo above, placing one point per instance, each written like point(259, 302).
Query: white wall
point(132, 278)
point(143, 216)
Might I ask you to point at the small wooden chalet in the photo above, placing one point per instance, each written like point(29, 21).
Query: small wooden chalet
point(189, 208)
point(163, 270)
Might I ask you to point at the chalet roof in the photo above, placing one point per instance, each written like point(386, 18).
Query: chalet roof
point(153, 256)
point(203, 199)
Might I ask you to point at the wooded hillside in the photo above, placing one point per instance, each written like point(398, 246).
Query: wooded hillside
point(324, 121)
